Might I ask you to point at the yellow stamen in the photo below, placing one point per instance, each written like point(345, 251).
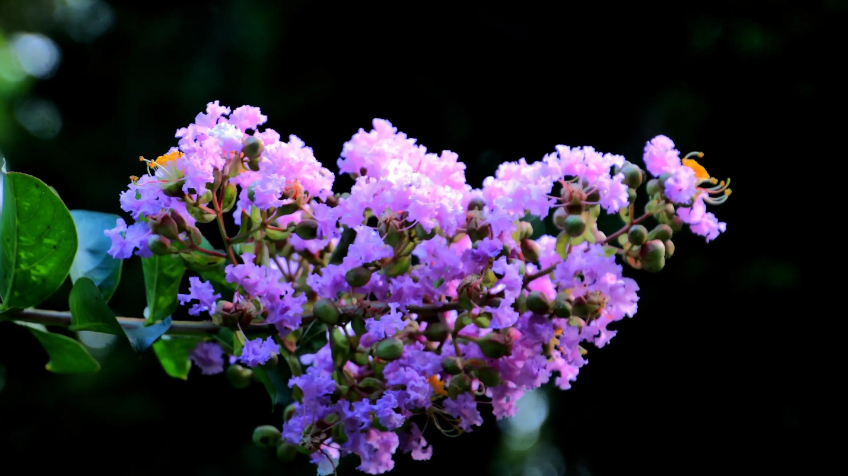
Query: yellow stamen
point(438, 385)
point(700, 171)
point(558, 332)
point(727, 192)
point(169, 157)
point(133, 178)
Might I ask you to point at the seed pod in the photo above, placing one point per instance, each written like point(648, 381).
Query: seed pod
point(669, 249)
point(562, 308)
point(661, 232)
point(483, 321)
point(266, 436)
point(489, 376)
point(637, 235)
point(538, 302)
point(326, 311)
point(436, 332)
point(531, 250)
point(389, 349)
point(494, 345)
point(459, 384)
point(358, 325)
point(423, 234)
point(307, 229)
point(525, 230)
point(253, 147)
point(588, 306)
point(632, 176)
point(239, 376)
point(163, 224)
point(358, 277)
point(575, 225)
point(159, 245)
point(653, 187)
point(652, 256)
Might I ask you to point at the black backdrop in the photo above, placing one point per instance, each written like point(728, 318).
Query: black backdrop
point(709, 374)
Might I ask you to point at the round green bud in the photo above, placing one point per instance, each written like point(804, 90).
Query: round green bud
point(489, 376)
point(631, 195)
point(575, 225)
point(562, 308)
point(182, 224)
point(525, 230)
point(266, 436)
point(459, 384)
point(358, 277)
point(669, 248)
point(452, 365)
point(253, 147)
point(483, 321)
point(159, 245)
point(559, 218)
point(286, 452)
point(589, 305)
point(637, 235)
point(288, 413)
point(669, 211)
point(436, 332)
point(661, 232)
point(360, 359)
point(494, 345)
point(676, 223)
point(239, 376)
point(538, 302)
point(531, 250)
point(326, 311)
point(653, 187)
point(662, 179)
point(595, 196)
point(307, 229)
point(389, 349)
point(358, 325)
point(652, 256)
point(164, 225)
point(476, 203)
point(632, 176)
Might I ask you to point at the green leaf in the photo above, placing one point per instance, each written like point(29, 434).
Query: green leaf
point(348, 235)
point(162, 276)
point(38, 241)
point(610, 250)
point(92, 259)
point(562, 244)
point(172, 352)
point(275, 381)
point(225, 337)
point(89, 312)
point(67, 356)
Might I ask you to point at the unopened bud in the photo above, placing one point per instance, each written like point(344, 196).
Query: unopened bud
point(266, 436)
point(239, 376)
point(661, 232)
point(286, 452)
point(253, 147)
point(459, 384)
point(676, 223)
point(389, 349)
point(575, 225)
point(326, 311)
point(358, 277)
point(588, 306)
point(525, 230)
point(494, 345)
point(489, 376)
point(358, 325)
point(159, 245)
point(653, 187)
point(307, 229)
point(182, 224)
point(163, 224)
point(476, 203)
point(562, 308)
point(360, 359)
point(483, 321)
point(669, 248)
point(531, 250)
point(637, 235)
point(538, 302)
point(452, 365)
point(339, 434)
point(632, 176)
point(174, 189)
point(631, 195)
point(436, 332)
point(559, 218)
point(652, 256)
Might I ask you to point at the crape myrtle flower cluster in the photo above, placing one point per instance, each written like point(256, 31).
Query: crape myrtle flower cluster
point(431, 295)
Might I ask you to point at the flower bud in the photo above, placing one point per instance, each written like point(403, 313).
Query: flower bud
point(538, 302)
point(230, 196)
point(398, 266)
point(359, 359)
point(575, 225)
point(476, 203)
point(239, 376)
point(174, 189)
point(589, 306)
point(531, 250)
point(358, 277)
point(489, 376)
point(286, 452)
point(525, 230)
point(199, 214)
point(637, 235)
point(632, 176)
point(163, 224)
point(562, 308)
point(358, 325)
point(389, 349)
point(253, 147)
point(495, 345)
point(676, 223)
point(271, 362)
point(326, 311)
point(573, 198)
point(459, 384)
point(182, 224)
point(483, 321)
point(307, 229)
point(661, 232)
point(559, 218)
point(652, 256)
point(631, 195)
point(452, 365)
point(669, 248)
point(436, 332)
point(653, 187)
point(266, 436)
point(159, 245)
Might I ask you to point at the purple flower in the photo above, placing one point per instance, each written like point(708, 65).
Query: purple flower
point(680, 187)
point(385, 411)
point(247, 117)
point(387, 325)
point(465, 409)
point(660, 156)
point(378, 450)
point(204, 293)
point(127, 239)
point(209, 357)
point(256, 352)
point(700, 221)
point(414, 442)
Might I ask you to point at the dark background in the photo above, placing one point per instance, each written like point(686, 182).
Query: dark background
point(714, 372)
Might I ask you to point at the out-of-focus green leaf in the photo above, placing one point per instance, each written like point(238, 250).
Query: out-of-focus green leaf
point(92, 259)
point(38, 241)
point(275, 381)
point(173, 351)
point(67, 356)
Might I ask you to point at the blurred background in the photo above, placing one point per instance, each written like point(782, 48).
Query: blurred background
point(711, 373)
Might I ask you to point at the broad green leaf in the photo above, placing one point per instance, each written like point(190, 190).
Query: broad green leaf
point(562, 244)
point(172, 352)
point(92, 259)
point(225, 337)
point(162, 276)
point(38, 241)
point(275, 381)
point(89, 312)
point(67, 356)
